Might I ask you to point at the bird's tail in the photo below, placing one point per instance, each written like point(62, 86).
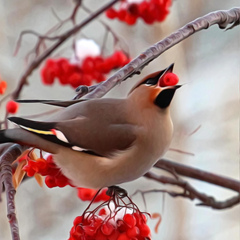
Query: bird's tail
point(15, 135)
point(4, 138)
point(23, 137)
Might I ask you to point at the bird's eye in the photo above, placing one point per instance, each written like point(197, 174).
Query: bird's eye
point(151, 81)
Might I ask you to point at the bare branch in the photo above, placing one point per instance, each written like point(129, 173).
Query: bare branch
point(191, 193)
point(191, 172)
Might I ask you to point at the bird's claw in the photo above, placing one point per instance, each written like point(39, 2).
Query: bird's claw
point(115, 190)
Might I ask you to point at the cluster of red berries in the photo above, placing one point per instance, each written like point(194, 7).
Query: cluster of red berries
point(150, 11)
point(91, 69)
point(54, 176)
point(104, 227)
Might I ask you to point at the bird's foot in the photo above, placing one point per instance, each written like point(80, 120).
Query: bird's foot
point(116, 191)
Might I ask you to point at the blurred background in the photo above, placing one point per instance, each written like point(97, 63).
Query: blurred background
point(208, 62)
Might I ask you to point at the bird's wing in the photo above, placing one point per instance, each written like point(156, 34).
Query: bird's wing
point(94, 132)
point(52, 102)
point(95, 136)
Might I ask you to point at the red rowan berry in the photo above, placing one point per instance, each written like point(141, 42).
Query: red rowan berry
point(122, 14)
point(50, 181)
point(144, 230)
point(86, 194)
point(107, 228)
point(130, 19)
point(99, 61)
point(3, 87)
point(130, 220)
point(123, 236)
point(111, 13)
point(88, 65)
point(12, 107)
point(102, 212)
point(75, 79)
point(133, 9)
point(169, 79)
point(77, 220)
point(86, 80)
point(133, 232)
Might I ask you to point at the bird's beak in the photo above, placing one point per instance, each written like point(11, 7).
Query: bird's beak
point(176, 86)
point(169, 69)
point(172, 88)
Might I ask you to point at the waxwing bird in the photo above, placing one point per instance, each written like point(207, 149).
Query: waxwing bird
point(103, 142)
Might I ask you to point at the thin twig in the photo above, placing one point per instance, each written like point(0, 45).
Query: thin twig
point(181, 151)
point(195, 130)
point(117, 39)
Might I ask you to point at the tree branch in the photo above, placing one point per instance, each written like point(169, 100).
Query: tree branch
point(222, 18)
point(6, 159)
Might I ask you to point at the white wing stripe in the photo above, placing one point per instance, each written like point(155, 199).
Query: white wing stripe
point(61, 136)
point(76, 148)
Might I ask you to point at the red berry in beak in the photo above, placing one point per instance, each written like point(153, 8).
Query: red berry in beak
point(169, 79)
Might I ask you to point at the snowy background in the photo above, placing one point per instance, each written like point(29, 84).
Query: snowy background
point(209, 62)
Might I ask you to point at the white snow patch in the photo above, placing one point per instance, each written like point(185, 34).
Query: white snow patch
point(134, 1)
point(85, 48)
